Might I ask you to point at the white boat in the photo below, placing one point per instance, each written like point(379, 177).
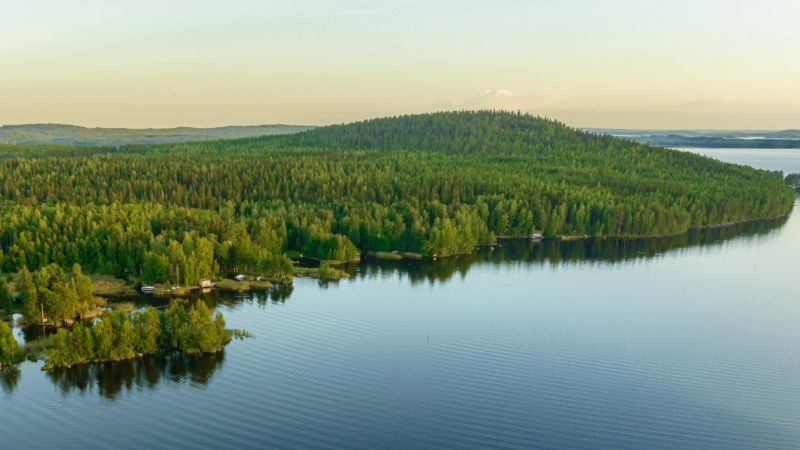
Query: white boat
point(146, 288)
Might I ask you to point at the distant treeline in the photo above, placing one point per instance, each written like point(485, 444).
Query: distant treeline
point(717, 142)
point(115, 137)
point(430, 184)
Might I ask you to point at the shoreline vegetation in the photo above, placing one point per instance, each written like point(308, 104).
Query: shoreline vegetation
point(119, 335)
point(108, 286)
point(417, 186)
point(701, 227)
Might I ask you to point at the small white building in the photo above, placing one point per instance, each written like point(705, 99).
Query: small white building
point(206, 283)
point(239, 277)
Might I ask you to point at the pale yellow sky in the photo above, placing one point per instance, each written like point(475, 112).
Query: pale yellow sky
point(603, 63)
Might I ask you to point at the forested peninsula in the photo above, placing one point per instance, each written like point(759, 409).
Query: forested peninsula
point(424, 185)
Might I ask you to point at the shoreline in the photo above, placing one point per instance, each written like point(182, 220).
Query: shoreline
point(642, 236)
point(332, 262)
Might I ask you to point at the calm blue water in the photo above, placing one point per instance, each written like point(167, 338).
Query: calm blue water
point(785, 159)
point(684, 342)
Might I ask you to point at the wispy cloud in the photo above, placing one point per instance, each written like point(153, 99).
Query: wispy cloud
point(502, 99)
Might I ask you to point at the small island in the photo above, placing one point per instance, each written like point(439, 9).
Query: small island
point(119, 336)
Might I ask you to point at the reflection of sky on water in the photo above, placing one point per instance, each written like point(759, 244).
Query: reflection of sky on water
point(785, 159)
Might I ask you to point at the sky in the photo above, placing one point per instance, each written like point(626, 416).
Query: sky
point(701, 64)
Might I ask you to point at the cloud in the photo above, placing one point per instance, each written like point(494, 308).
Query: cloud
point(501, 99)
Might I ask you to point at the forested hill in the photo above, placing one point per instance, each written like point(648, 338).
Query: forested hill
point(484, 132)
point(114, 137)
point(433, 184)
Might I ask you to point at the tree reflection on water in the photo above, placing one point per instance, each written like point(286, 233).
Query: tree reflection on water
point(9, 378)
point(557, 252)
point(110, 379)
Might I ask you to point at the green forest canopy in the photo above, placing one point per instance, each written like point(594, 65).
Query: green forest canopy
point(431, 184)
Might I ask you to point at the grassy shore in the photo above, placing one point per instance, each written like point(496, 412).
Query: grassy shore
point(9, 361)
point(333, 273)
point(106, 285)
point(385, 255)
point(246, 285)
point(395, 255)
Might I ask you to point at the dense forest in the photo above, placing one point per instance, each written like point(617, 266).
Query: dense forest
point(49, 150)
point(432, 184)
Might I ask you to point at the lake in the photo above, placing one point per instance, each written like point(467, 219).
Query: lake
point(683, 342)
point(785, 159)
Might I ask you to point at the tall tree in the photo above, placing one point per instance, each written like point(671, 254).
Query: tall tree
point(8, 343)
point(28, 294)
point(6, 300)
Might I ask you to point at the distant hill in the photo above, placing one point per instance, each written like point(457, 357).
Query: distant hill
point(717, 142)
point(786, 134)
point(115, 137)
point(729, 134)
point(708, 138)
